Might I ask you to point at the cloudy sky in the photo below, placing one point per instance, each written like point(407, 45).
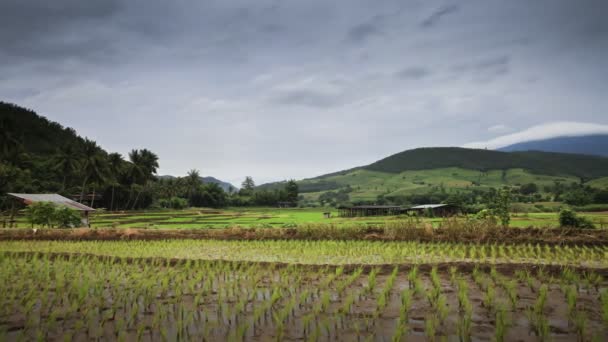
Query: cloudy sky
point(297, 88)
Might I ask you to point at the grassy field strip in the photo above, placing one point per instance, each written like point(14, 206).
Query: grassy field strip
point(327, 252)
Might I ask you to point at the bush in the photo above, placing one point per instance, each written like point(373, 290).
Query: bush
point(173, 203)
point(568, 218)
point(66, 218)
point(47, 214)
point(40, 213)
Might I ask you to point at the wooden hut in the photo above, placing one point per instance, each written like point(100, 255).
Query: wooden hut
point(56, 199)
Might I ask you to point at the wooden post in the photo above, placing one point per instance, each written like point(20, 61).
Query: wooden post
point(11, 220)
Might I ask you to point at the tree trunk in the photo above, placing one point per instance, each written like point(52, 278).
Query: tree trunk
point(93, 199)
point(136, 199)
point(129, 199)
point(84, 184)
point(65, 176)
point(112, 199)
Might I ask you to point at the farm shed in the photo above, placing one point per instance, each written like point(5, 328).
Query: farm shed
point(442, 210)
point(370, 210)
point(56, 199)
point(287, 204)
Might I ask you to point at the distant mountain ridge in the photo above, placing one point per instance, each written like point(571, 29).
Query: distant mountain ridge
point(453, 169)
point(596, 144)
point(224, 185)
point(549, 163)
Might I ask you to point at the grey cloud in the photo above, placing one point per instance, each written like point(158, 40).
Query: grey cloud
point(413, 73)
point(484, 70)
point(362, 32)
point(342, 71)
point(438, 14)
point(308, 98)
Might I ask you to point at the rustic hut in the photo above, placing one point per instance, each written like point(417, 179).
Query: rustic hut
point(56, 199)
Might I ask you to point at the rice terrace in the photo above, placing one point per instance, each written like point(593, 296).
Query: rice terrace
point(346, 170)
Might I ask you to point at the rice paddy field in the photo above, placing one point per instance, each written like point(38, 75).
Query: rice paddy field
point(77, 297)
point(272, 217)
point(321, 288)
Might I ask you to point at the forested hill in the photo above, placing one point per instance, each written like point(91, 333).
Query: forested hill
point(449, 170)
point(33, 133)
point(41, 156)
point(546, 163)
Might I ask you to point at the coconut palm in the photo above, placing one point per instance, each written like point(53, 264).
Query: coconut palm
point(144, 164)
point(66, 161)
point(93, 165)
point(115, 164)
point(8, 140)
point(193, 180)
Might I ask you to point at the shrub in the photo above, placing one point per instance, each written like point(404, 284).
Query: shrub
point(66, 218)
point(40, 213)
point(173, 203)
point(568, 218)
point(47, 214)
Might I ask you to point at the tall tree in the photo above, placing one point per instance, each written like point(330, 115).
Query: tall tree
point(93, 164)
point(66, 161)
point(116, 165)
point(144, 165)
point(291, 189)
point(8, 140)
point(193, 179)
point(247, 186)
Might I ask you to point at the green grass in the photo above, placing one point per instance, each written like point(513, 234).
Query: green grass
point(368, 184)
point(273, 217)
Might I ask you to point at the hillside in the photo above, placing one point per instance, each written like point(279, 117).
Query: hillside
point(450, 170)
point(544, 163)
point(36, 134)
point(590, 144)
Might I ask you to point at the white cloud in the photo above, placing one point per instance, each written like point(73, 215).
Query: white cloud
point(499, 128)
point(541, 132)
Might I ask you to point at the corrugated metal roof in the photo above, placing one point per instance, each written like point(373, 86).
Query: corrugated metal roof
point(429, 206)
point(53, 198)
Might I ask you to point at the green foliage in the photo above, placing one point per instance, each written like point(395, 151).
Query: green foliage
point(500, 206)
point(568, 218)
point(46, 214)
point(291, 190)
point(40, 214)
point(173, 203)
point(578, 197)
point(529, 188)
point(65, 217)
point(476, 159)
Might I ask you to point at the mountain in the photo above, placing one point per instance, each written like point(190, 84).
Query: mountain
point(589, 144)
point(224, 185)
point(37, 135)
point(451, 169)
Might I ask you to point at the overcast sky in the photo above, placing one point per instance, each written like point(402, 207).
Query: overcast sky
point(294, 89)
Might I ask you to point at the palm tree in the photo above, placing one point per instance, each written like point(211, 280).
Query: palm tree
point(93, 164)
point(115, 163)
point(144, 164)
point(8, 141)
point(193, 180)
point(66, 161)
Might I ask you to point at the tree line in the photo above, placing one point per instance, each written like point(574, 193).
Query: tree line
point(41, 156)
